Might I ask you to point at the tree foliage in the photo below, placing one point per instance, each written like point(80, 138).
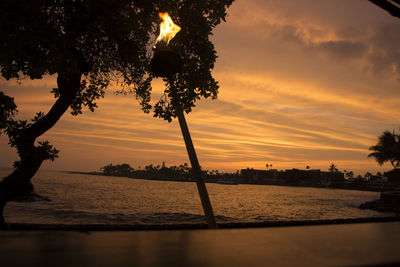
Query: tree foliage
point(197, 19)
point(117, 170)
point(89, 44)
point(100, 39)
point(7, 110)
point(333, 168)
point(86, 43)
point(387, 149)
point(106, 40)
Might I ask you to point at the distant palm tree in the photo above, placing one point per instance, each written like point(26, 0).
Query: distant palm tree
point(387, 149)
point(333, 168)
point(350, 175)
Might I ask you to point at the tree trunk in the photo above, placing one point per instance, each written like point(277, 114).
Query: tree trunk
point(18, 183)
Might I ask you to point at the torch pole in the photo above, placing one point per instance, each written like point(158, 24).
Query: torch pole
point(196, 170)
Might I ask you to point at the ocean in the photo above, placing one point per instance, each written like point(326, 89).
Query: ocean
point(90, 199)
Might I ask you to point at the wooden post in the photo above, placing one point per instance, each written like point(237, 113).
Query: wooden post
point(196, 170)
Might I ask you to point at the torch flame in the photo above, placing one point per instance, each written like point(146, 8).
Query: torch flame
point(168, 28)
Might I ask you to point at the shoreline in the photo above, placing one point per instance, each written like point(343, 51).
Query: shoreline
point(216, 182)
point(190, 226)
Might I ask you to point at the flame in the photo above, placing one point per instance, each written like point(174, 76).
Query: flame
point(168, 28)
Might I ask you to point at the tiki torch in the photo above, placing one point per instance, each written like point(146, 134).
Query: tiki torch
point(165, 63)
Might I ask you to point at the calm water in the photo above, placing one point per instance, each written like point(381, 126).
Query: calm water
point(87, 199)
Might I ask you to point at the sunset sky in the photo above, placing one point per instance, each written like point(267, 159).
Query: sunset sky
point(301, 83)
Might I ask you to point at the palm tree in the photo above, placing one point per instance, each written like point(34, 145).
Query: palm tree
point(333, 168)
point(387, 149)
point(350, 175)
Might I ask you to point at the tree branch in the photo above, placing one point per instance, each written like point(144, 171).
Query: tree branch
point(392, 162)
point(393, 9)
point(69, 85)
point(396, 1)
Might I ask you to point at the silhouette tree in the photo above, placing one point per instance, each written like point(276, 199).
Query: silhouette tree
point(350, 174)
point(387, 149)
point(118, 170)
point(368, 176)
point(197, 19)
point(87, 44)
point(333, 168)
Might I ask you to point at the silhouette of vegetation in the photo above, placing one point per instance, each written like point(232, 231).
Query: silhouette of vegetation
point(173, 173)
point(333, 168)
point(393, 176)
point(387, 149)
point(87, 44)
point(197, 19)
point(349, 174)
point(118, 170)
point(291, 177)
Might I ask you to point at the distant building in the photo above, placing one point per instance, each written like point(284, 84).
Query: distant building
point(291, 177)
point(252, 176)
point(312, 177)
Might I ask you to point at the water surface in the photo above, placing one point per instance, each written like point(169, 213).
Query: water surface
point(89, 199)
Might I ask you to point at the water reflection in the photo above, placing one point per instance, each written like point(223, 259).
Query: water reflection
point(86, 199)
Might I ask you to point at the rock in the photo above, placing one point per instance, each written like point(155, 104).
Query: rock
point(388, 202)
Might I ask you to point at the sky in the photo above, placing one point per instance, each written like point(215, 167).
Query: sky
point(302, 83)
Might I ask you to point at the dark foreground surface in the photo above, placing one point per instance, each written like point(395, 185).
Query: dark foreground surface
point(356, 244)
